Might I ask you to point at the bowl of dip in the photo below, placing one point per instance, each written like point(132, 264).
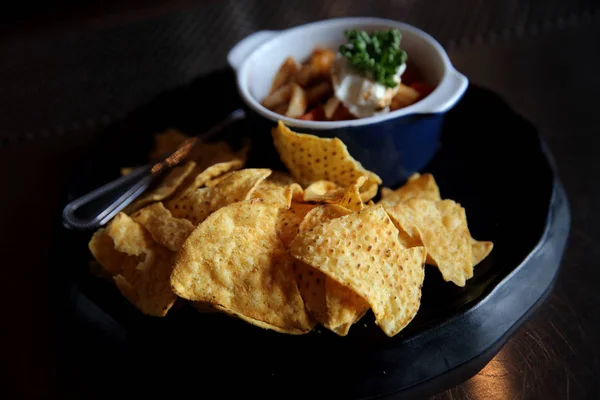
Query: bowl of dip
point(394, 143)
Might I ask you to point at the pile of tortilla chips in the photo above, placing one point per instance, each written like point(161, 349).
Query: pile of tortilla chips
point(285, 252)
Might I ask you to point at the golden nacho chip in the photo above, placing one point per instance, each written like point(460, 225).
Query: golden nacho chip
point(320, 214)
point(145, 284)
point(334, 306)
point(349, 198)
point(165, 188)
point(417, 186)
point(344, 307)
point(215, 181)
point(274, 193)
point(361, 252)
point(149, 289)
point(103, 249)
point(310, 158)
point(368, 191)
point(288, 223)
point(316, 190)
point(129, 237)
point(166, 142)
point(440, 226)
point(165, 229)
point(214, 172)
point(236, 260)
point(212, 161)
point(480, 250)
point(198, 204)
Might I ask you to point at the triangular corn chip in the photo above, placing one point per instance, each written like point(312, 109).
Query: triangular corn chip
point(165, 229)
point(334, 306)
point(215, 181)
point(276, 193)
point(316, 190)
point(290, 219)
point(440, 226)
point(310, 158)
point(236, 261)
point(349, 197)
point(198, 204)
point(145, 282)
point(165, 188)
point(361, 251)
point(418, 186)
point(212, 161)
point(368, 191)
point(103, 249)
point(214, 172)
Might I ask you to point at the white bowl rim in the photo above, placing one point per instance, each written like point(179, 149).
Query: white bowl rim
point(423, 106)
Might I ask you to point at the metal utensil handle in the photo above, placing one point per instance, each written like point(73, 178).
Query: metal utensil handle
point(114, 196)
point(111, 198)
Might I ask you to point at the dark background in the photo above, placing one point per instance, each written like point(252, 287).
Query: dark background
point(68, 69)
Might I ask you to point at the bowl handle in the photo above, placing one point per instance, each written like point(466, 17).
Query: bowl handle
point(238, 54)
point(453, 86)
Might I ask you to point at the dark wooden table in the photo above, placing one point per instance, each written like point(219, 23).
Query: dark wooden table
point(54, 102)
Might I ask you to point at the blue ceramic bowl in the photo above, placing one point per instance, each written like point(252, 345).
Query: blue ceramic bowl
point(393, 145)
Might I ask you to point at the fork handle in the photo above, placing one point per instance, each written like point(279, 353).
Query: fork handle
point(97, 207)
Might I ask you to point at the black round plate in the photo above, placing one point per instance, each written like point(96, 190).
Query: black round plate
point(490, 160)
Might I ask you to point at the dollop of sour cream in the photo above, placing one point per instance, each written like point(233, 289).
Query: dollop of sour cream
point(362, 96)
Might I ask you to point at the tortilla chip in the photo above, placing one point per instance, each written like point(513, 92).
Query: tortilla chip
point(275, 193)
point(310, 158)
point(197, 205)
point(361, 252)
point(288, 224)
point(215, 181)
point(334, 306)
point(103, 249)
point(418, 187)
point(165, 188)
point(344, 307)
point(349, 197)
point(236, 260)
point(146, 284)
point(440, 226)
point(316, 190)
point(215, 171)
point(212, 161)
point(480, 250)
point(320, 214)
point(129, 237)
point(165, 229)
point(368, 191)
point(149, 289)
